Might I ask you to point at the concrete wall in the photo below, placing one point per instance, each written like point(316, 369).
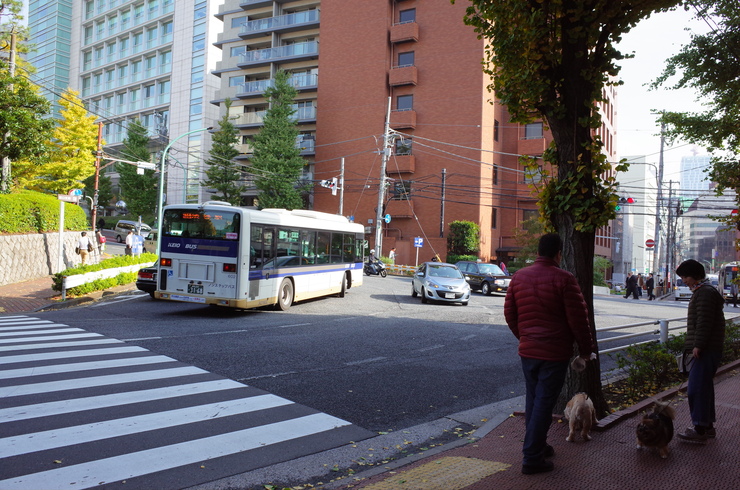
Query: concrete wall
point(25, 257)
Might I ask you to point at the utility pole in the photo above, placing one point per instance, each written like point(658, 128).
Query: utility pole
point(381, 191)
point(669, 238)
point(442, 205)
point(5, 178)
point(658, 203)
point(341, 187)
point(98, 156)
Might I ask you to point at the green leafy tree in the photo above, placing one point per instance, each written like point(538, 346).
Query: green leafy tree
point(224, 175)
point(551, 60)
point(138, 191)
point(527, 238)
point(24, 125)
point(277, 162)
point(464, 238)
point(73, 143)
point(710, 64)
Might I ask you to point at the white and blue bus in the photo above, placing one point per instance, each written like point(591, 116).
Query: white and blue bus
point(214, 253)
point(725, 275)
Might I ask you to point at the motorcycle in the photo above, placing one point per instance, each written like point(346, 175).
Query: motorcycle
point(377, 268)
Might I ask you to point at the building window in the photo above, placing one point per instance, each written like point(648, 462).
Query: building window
point(199, 43)
point(530, 214)
point(406, 16)
point(401, 190)
point(533, 131)
point(237, 50)
point(494, 217)
point(404, 102)
point(87, 60)
point(495, 130)
point(167, 32)
point(89, 9)
point(533, 175)
point(88, 35)
point(403, 146)
point(406, 59)
point(236, 81)
point(237, 22)
point(494, 175)
point(123, 47)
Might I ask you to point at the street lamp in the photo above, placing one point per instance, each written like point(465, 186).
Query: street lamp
point(160, 198)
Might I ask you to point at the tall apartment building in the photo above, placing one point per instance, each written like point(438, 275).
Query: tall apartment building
point(693, 176)
point(453, 154)
point(137, 59)
point(639, 182)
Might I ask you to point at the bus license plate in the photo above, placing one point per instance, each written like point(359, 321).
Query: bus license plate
point(195, 288)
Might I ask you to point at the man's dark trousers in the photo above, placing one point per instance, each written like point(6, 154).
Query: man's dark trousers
point(544, 380)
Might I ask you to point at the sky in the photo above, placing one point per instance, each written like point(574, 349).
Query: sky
point(653, 41)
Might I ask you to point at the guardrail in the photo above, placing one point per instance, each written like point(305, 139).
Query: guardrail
point(661, 333)
point(69, 282)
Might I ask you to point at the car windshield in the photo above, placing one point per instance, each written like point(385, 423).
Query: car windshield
point(492, 269)
point(444, 271)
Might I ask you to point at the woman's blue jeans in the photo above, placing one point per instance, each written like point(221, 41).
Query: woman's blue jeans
point(701, 388)
point(544, 380)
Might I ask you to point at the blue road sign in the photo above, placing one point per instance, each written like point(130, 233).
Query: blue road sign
point(418, 242)
point(387, 218)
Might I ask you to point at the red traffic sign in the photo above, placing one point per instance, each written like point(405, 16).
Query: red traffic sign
point(649, 243)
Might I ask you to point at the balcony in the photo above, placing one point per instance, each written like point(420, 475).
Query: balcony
point(291, 52)
point(408, 31)
point(249, 119)
point(280, 24)
point(403, 119)
point(534, 146)
point(402, 164)
point(402, 75)
point(258, 87)
point(400, 208)
point(252, 4)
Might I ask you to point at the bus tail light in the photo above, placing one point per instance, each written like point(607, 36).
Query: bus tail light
point(165, 262)
point(229, 267)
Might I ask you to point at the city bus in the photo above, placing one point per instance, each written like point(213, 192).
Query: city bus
point(726, 274)
point(217, 254)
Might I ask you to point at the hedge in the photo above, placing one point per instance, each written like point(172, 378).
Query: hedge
point(100, 284)
point(28, 212)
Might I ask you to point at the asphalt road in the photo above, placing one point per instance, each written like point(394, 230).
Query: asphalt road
point(377, 358)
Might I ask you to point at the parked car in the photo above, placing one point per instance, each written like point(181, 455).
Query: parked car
point(486, 278)
point(146, 279)
point(124, 226)
point(681, 290)
point(439, 281)
point(150, 243)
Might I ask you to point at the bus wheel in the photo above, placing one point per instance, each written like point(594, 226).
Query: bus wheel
point(343, 291)
point(285, 295)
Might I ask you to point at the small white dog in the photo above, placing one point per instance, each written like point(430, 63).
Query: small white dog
point(580, 414)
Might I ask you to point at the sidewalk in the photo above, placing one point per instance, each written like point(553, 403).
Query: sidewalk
point(609, 461)
point(493, 460)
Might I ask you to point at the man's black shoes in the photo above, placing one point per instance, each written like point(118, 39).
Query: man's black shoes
point(533, 469)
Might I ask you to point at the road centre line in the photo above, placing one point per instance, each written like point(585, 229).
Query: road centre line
point(274, 375)
point(431, 347)
point(365, 361)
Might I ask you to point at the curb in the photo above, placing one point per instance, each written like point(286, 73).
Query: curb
point(90, 298)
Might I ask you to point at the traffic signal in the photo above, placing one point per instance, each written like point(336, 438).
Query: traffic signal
point(330, 184)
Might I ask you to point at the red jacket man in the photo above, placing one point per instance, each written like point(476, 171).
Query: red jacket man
point(545, 310)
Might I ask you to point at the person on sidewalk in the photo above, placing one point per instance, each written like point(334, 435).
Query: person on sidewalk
point(545, 310)
point(86, 247)
point(392, 255)
point(734, 289)
point(640, 284)
point(705, 336)
point(650, 285)
point(129, 243)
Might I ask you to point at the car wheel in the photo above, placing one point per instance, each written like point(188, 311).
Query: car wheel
point(424, 298)
point(119, 239)
point(414, 294)
point(285, 295)
point(485, 288)
point(465, 303)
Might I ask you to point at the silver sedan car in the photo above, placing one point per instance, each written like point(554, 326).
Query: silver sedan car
point(438, 281)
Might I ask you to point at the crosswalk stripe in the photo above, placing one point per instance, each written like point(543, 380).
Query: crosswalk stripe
point(30, 326)
point(21, 319)
point(47, 409)
point(95, 473)
point(55, 345)
point(84, 366)
point(28, 333)
point(53, 337)
point(47, 356)
point(113, 379)
point(40, 441)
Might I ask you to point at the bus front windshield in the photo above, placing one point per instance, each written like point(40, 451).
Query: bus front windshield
point(204, 224)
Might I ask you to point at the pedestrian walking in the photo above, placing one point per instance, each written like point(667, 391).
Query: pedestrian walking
point(640, 284)
point(85, 246)
point(650, 285)
point(546, 311)
point(705, 336)
point(392, 255)
point(129, 243)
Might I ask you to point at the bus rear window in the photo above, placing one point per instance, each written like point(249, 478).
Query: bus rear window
point(210, 225)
